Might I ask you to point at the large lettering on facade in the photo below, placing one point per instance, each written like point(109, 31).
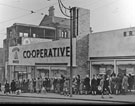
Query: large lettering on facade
point(51, 52)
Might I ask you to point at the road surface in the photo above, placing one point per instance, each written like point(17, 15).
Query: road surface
point(30, 100)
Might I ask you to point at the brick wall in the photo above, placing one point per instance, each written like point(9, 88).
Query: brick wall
point(82, 57)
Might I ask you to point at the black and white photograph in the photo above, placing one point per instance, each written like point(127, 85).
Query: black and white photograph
point(67, 52)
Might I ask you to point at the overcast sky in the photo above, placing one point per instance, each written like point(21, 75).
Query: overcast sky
point(104, 14)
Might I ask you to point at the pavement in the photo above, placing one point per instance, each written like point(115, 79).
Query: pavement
point(127, 99)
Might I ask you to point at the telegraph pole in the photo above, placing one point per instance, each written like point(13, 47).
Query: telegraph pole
point(71, 35)
point(71, 57)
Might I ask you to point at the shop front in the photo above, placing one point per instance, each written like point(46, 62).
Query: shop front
point(121, 66)
point(48, 59)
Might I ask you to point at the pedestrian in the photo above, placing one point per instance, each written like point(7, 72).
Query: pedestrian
point(74, 85)
point(38, 85)
point(62, 80)
point(18, 87)
point(130, 82)
point(94, 85)
point(104, 83)
point(0, 87)
point(44, 86)
point(66, 87)
point(118, 84)
point(54, 83)
point(34, 84)
point(78, 84)
point(31, 89)
point(81, 87)
point(7, 88)
point(13, 86)
point(87, 84)
point(125, 84)
point(113, 83)
point(98, 84)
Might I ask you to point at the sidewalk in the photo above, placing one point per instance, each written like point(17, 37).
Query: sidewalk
point(116, 98)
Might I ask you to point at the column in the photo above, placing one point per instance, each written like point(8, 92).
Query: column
point(50, 72)
point(115, 67)
point(90, 68)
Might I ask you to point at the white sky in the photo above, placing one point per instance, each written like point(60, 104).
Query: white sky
point(104, 14)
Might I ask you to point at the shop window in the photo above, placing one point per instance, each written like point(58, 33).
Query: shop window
point(20, 34)
point(34, 35)
point(64, 34)
point(125, 34)
point(25, 34)
point(130, 33)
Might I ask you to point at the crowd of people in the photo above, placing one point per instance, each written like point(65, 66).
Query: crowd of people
point(99, 84)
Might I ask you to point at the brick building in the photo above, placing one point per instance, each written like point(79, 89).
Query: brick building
point(20, 67)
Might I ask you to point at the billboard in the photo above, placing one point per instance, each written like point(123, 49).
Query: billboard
point(44, 52)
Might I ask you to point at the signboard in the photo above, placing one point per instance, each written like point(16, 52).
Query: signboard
point(45, 52)
point(102, 70)
point(129, 70)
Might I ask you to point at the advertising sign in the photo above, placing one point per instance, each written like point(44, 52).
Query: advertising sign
point(45, 52)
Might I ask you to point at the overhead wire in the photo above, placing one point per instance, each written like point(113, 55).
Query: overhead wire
point(15, 7)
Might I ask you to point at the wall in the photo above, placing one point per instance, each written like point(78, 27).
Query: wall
point(82, 57)
point(111, 43)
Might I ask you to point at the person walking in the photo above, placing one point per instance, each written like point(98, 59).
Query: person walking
point(0, 87)
point(78, 84)
point(130, 82)
point(94, 85)
point(125, 84)
point(13, 87)
point(62, 80)
point(87, 84)
point(38, 85)
point(7, 86)
point(31, 86)
point(104, 83)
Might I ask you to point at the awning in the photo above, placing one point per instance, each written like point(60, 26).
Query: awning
point(125, 62)
point(103, 62)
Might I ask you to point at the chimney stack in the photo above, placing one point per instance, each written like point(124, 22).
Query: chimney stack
point(51, 11)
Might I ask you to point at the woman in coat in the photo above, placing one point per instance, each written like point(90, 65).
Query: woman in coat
point(87, 84)
point(13, 86)
point(125, 84)
point(105, 85)
point(38, 85)
point(94, 85)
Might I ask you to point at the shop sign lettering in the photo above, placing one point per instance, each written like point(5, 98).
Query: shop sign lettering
point(51, 52)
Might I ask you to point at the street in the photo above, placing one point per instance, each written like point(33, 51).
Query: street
point(29, 100)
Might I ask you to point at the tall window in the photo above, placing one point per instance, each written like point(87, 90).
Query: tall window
point(64, 34)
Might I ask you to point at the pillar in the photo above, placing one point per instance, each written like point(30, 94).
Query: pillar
point(115, 67)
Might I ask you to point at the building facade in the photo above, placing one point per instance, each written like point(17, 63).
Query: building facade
point(112, 52)
point(52, 49)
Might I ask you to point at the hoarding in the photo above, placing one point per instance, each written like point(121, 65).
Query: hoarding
point(45, 52)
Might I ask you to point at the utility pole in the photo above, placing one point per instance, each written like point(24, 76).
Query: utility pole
point(71, 35)
point(71, 57)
